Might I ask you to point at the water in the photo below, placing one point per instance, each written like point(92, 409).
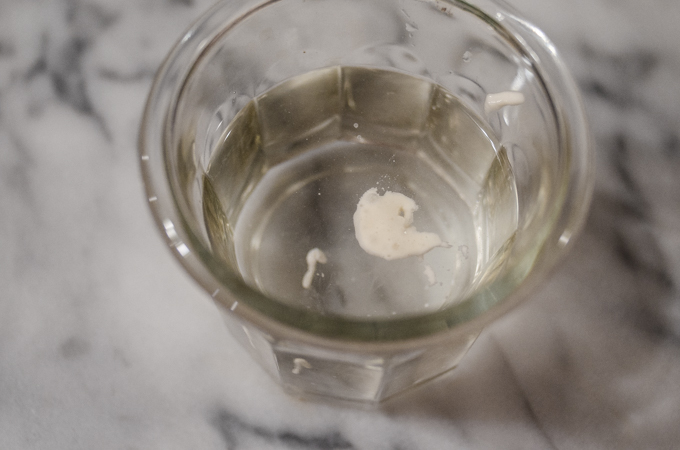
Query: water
point(288, 173)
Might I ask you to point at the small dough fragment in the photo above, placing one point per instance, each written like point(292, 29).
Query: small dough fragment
point(496, 101)
point(429, 273)
point(314, 256)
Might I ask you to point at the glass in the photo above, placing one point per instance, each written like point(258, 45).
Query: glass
point(263, 84)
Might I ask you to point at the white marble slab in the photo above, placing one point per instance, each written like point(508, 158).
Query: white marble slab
point(105, 343)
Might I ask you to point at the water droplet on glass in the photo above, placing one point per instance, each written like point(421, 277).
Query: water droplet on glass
point(467, 56)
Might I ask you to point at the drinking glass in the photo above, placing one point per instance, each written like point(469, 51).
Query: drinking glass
point(527, 198)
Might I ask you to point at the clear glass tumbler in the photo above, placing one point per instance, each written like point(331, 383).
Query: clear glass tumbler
point(270, 121)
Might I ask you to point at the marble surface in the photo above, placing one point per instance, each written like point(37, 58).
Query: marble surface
point(106, 344)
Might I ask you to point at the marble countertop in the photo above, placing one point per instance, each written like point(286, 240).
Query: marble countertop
point(105, 343)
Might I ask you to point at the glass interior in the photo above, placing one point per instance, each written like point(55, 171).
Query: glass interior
point(282, 81)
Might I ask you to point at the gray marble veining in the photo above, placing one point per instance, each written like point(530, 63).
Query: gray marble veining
point(105, 343)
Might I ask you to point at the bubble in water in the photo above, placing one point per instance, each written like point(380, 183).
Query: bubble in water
point(356, 125)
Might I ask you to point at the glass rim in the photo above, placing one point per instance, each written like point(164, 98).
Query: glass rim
point(567, 214)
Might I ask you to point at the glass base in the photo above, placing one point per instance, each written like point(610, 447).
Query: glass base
point(316, 373)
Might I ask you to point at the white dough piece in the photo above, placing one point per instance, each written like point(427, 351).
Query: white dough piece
point(496, 101)
point(383, 225)
point(314, 256)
